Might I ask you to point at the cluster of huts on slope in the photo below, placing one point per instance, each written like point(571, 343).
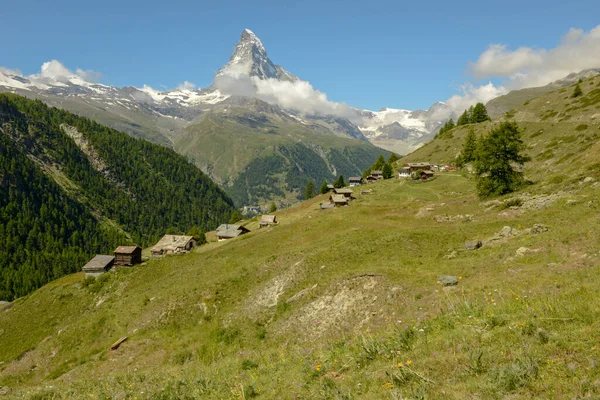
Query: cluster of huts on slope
point(127, 256)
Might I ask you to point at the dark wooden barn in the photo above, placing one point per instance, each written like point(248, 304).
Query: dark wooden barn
point(128, 255)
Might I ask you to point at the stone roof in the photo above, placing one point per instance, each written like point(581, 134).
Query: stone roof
point(343, 191)
point(172, 242)
point(377, 172)
point(339, 198)
point(126, 249)
point(268, 218)
point(230, 230)
point(355, 179)
point(99, 263)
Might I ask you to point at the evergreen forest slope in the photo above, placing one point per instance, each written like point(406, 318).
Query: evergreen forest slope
point(71, 188)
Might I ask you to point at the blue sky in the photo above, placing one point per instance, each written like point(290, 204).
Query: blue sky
point(366, 54)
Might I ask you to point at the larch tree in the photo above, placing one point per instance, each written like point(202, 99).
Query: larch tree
point(496, 154)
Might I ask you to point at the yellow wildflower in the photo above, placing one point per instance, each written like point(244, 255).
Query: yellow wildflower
point(318, 367)
point(408, 362)
point(400, 365)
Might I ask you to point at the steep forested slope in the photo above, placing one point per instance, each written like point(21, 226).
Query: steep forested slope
point(71, 187)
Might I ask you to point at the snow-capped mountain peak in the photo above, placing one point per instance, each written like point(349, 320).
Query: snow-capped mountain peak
point(250, 58)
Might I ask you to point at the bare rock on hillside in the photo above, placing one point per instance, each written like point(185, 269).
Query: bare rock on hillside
point(452, 255)
point(448, 280)
point(300, 294)
point(473, 244)
point(454, 218)
point(507, 233)
point(587, 179)
point(523, 251)
point(346, 306)
point(4, 391)
point(268, 295)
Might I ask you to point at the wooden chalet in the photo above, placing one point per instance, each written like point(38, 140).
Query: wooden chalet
point(267, 220)
point(355, 181)
point(378, 174)
point(173, 244)
point(330, 187)
point(425, 175)
point(229, 231)
point(404, 173)
point(128, 255)
point(346, 192)
point(338, 200)
point(414, 167)
point(98, 265)
point(371, 179)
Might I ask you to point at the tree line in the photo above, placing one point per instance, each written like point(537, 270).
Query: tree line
point(473, 115)
point(379, 165)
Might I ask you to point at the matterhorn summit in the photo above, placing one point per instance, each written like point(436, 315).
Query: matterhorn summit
point(250, 58)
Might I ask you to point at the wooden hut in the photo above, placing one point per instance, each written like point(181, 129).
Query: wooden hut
point(355, 181)
point(371, 179)
point(346, 192)
point(267, 220)
point(229, 231)
point(426, 175)
point(338, 200)
point(172, 244)
point(378, 174)
point(416, 166)
point(128, 255)
point(98, 265)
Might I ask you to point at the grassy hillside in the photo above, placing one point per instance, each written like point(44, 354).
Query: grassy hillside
point(561, 133)
point(342, 303)
point(349, 303)
point(263, 154)
point(502, 104)
point(71, 188)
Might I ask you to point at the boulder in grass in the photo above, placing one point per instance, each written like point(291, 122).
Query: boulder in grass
point(473, 244)
point(448, 280)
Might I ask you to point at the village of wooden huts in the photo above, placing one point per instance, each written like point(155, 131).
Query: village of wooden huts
point(173, 244)
point(230, 231)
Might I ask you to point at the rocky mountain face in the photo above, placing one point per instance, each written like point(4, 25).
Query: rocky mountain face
point(250, 58)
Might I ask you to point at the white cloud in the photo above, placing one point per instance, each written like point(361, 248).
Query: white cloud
point(528, 67)
point(298, 95)
point(8, 71)
point(89, 75)
point(186, 85)
point(55, 70)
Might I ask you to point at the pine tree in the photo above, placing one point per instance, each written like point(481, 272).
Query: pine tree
point(379, 163)
point(339, 183)
point(496, 153)
point(309, 192)
point(272, 207)
point(577, 91)
point(387, 171)
point(323, 189)
point(393, 158)
point(366, 173)
point(470, 147)
point(464, 119)
point(479, 114)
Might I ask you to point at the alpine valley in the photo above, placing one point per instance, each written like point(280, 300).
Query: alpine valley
point(255, 145)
